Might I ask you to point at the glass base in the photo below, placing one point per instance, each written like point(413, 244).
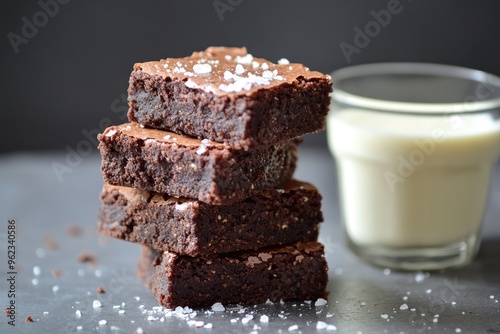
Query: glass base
point(457, 254)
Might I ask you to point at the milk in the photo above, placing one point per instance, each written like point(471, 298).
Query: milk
point(409, 181)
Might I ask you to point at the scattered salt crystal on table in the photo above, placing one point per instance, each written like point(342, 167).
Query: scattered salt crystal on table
point(34, 281)
point(209, 325)
point(36, 271)
point(264, 318)
point(78, 313)
point(55, 288)
point(96, 304)
point(320, 302)
point(293, 328)
point(384, 316)
point(331, 328)
point(403, 307)
point(321, 325)
point(458, 330)
point(102, 322)
point(218, 307)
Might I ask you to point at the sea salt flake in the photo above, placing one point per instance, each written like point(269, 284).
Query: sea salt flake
point(264, 318)
point(137, 298)
point(167, 137)
point(264, 66)
point(102, 322)
point(228, 75)
point(267, 75)
point(428, 291)
point(191, 84)
point(78, 313)
point(384, 316)
point(458, 330)
point(255, 65)
point(96, 304)
point(121, 311)
point(283, 61)
point(45, 313)
point(55, 288)
point(239, 69)
point(245, 60)
point(209, 325)
point(139, 330)
point(114, 328)
point(202, 68)
point(79, 328)
point(151, 318)
point(492, 297)
point(403, 307)
point(34, 281)
point(227, 57)
point(202, 149)
point(293, 328)
point(110, 133)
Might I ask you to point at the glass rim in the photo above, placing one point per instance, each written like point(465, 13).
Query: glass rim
point(389, 68)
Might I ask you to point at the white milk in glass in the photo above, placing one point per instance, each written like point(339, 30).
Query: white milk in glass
point(412, 180)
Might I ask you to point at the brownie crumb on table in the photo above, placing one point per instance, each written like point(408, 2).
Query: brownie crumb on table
point(227, 95)
point(74, 230)
point(86, 257)
point(182, 166)
point(50, 242)
point(293, 272)
point(57, 273)
point(287, 214)
point(29, 319)
point(100, 289)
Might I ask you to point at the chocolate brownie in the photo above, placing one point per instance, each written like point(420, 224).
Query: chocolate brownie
point(294, 272)
point(227, 95)
point(182, 166)
point(288, 214)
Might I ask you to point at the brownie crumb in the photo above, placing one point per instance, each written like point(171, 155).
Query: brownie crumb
point(6, 310)
point(29, 319)
point(86, 257)
point(57, 273)
point(100, 289)
point(50, 242)
point(74, 231)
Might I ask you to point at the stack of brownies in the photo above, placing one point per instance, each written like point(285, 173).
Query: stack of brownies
point(202, 178)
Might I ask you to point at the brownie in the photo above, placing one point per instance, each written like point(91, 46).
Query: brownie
point(288, 214)
point(294, 272)
point(182, 166)
point(227, 95)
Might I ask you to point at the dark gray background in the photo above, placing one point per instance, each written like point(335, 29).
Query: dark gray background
point(72, 74)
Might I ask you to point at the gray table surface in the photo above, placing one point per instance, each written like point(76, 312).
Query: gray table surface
point(363, 298)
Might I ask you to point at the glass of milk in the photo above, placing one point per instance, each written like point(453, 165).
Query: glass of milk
point(415, 146)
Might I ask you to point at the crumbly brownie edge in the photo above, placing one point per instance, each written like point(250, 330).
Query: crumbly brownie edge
point(266, 117)
point(297, 272)
point(218, 176)
point(188, 227)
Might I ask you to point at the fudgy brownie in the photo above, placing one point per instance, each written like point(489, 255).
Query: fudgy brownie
point(182, 166)
point(288, 214)
point(227, 95)
point(296, 272)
